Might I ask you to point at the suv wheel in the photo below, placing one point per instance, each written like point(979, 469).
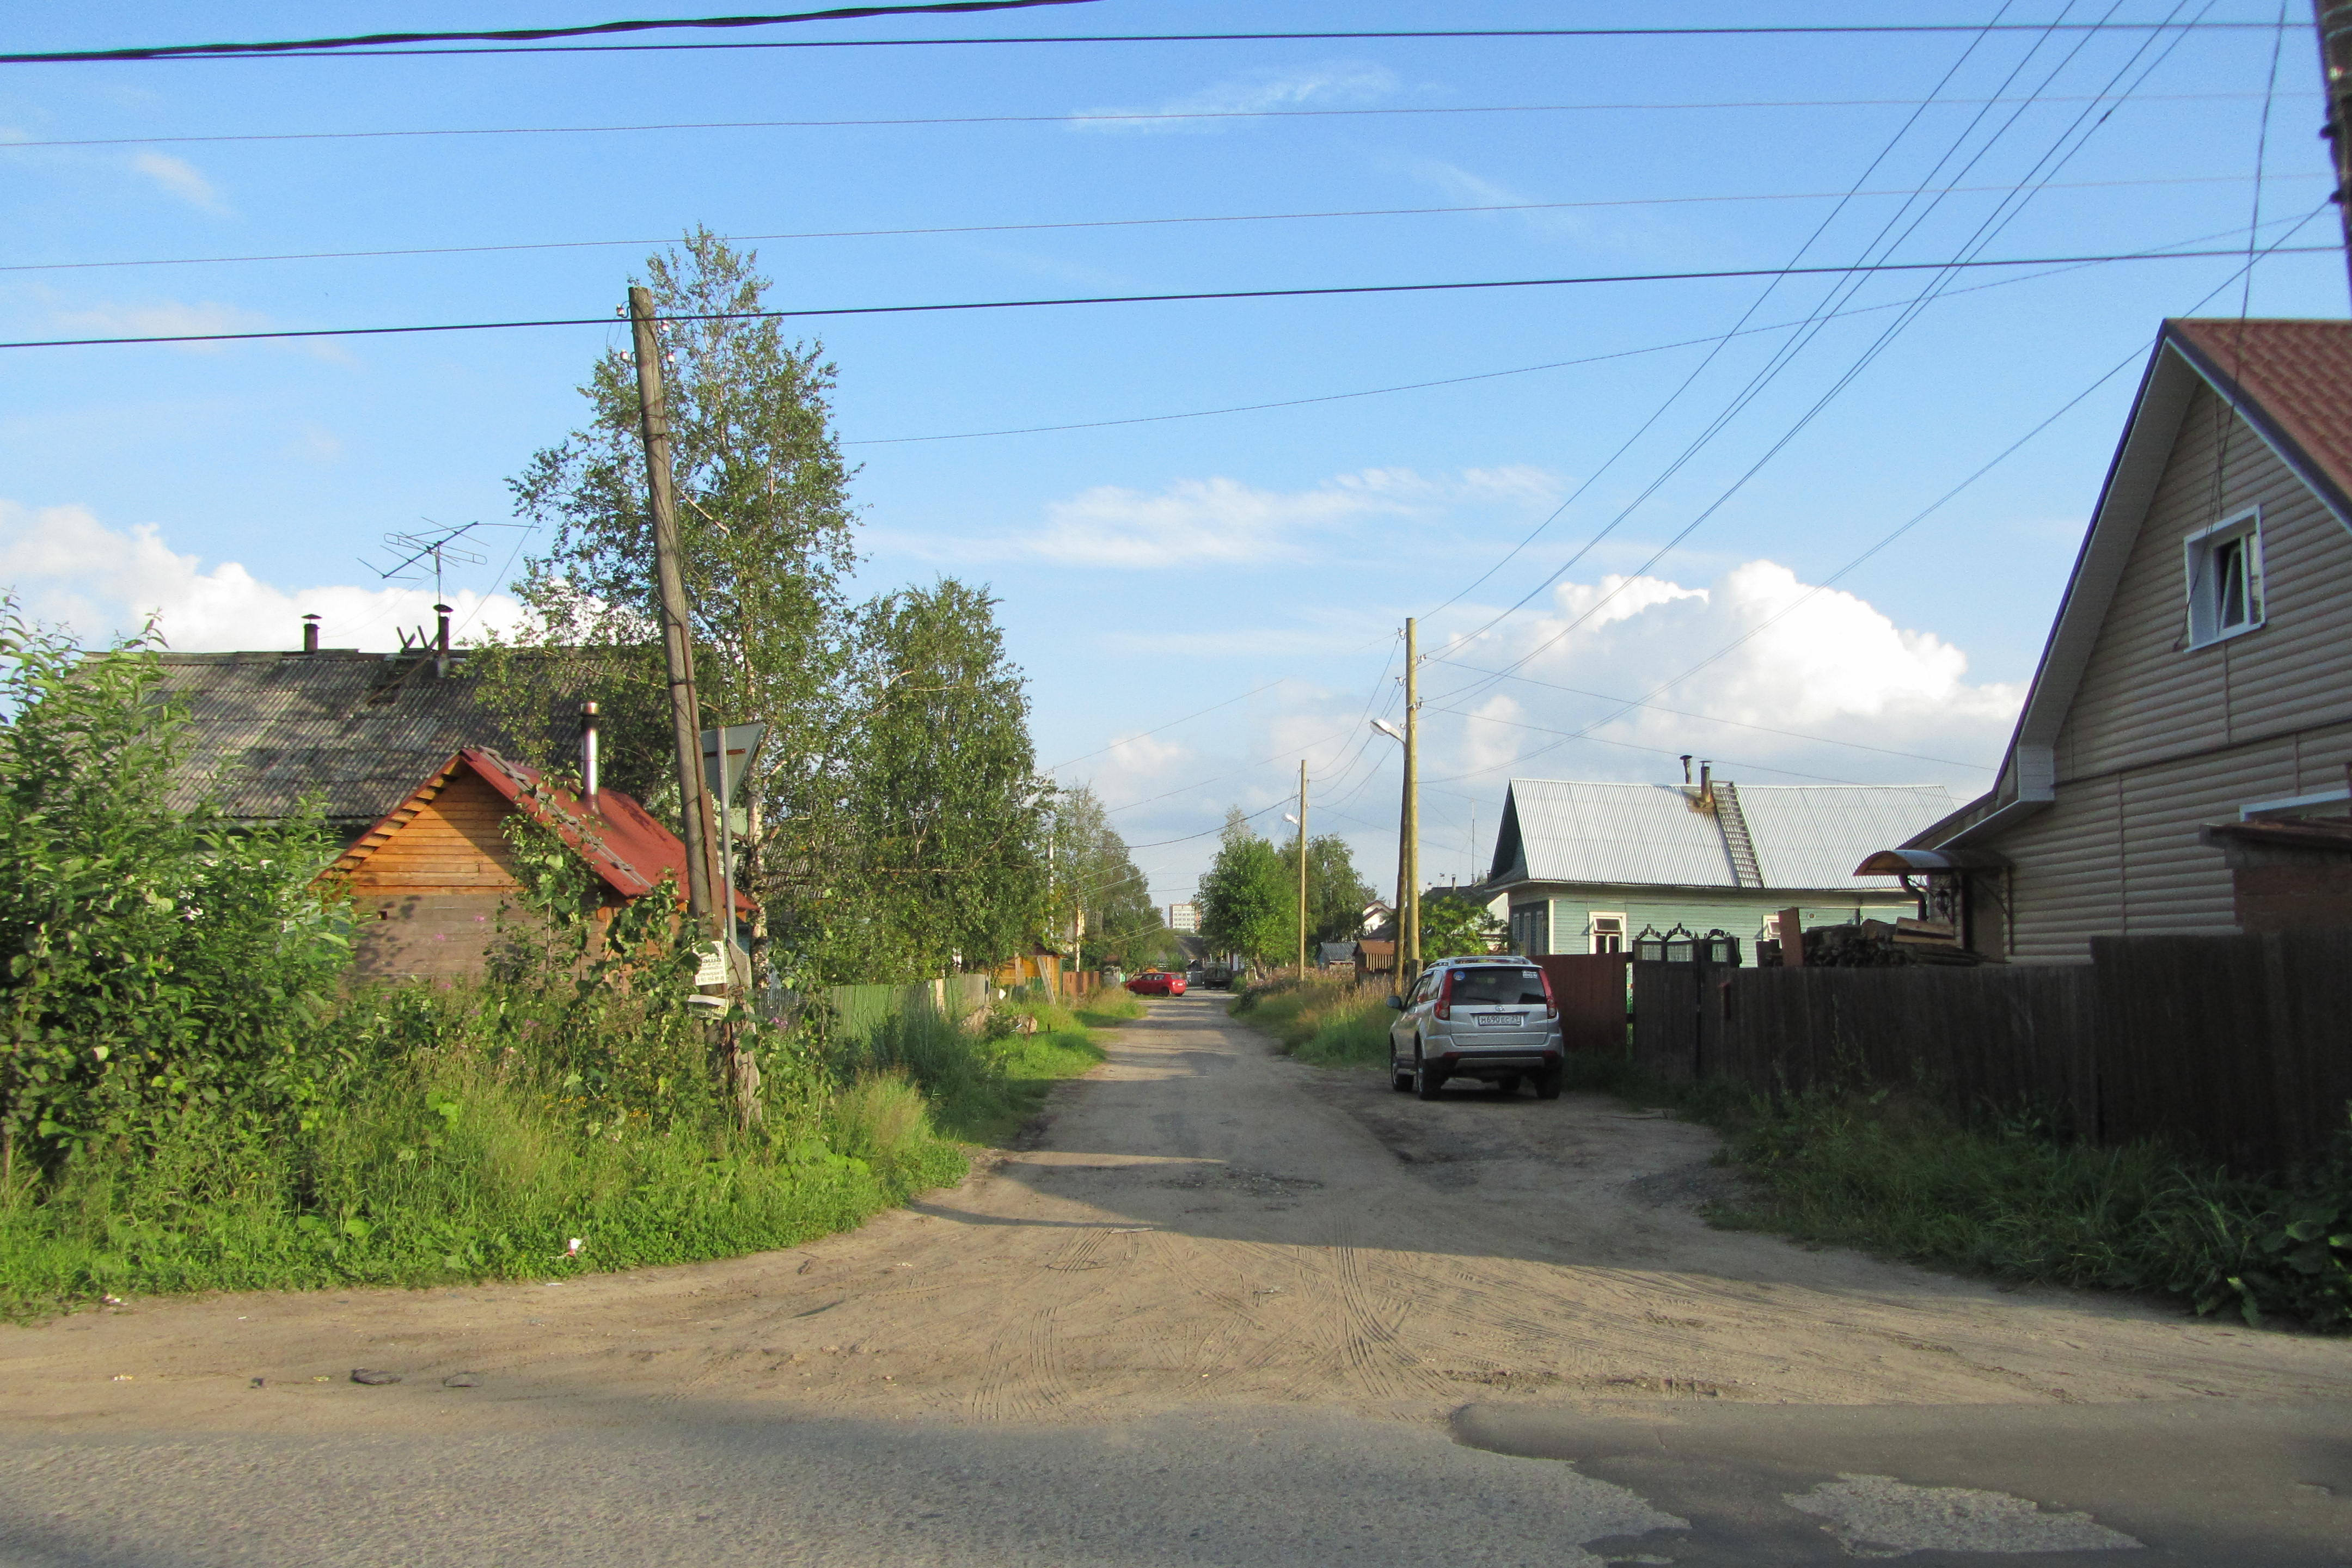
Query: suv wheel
point(1548, 1085)
point(1426, 1079)
point(1399, 1078)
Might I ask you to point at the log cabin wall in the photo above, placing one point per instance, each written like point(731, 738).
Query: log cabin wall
point(426, 898)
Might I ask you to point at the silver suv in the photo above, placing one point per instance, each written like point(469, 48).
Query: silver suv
point(1488, 1018)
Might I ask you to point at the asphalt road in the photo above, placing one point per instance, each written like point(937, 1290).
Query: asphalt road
point(1221, 1309)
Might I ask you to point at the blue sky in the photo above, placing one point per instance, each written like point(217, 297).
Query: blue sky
point(1259, 562)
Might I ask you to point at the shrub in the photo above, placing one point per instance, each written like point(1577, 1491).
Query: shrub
point(1897, 1176)
point(1330, 1020)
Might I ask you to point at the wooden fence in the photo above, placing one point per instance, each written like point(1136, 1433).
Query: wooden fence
point(2235, 1047)
point(1590, 991)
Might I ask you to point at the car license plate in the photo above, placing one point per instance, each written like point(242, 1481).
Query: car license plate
point(1498, 1020)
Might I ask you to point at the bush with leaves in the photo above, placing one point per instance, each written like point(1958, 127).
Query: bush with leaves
point(157, 965)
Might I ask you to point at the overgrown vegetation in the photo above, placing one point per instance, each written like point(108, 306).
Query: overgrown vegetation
point(1894, 1176)
point(1889, 1172)
point(192, 1098)
point(1329, 1020)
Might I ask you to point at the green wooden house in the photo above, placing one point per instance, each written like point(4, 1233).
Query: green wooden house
point(1587, 867)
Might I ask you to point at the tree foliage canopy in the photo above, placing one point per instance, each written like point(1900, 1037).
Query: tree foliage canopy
point(1249, 900)
point(888, 826)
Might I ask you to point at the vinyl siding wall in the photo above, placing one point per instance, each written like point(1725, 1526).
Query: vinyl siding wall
point(2161, 738)
point(1697, 910)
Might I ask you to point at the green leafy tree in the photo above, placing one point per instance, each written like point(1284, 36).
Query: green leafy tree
point(930, 855)
point(1336, 892)
point(156, 964)
point(1094, 876)
point(765, 543)
point(1249, 901)
point(1455, 927)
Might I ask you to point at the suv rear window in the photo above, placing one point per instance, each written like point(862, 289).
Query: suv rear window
point(1499, 987)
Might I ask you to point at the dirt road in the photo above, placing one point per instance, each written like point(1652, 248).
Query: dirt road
point(1198, 1223)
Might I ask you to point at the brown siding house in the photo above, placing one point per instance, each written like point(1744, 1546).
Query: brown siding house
point(2200, 667)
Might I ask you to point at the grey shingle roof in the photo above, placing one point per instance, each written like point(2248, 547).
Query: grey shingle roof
point(358, 730)
point(1810, 837)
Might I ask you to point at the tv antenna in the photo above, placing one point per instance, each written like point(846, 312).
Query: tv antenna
point(437, 543)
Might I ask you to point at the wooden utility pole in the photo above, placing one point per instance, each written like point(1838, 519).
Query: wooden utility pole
point(1408, 914)
point(1302, 868)
point(2335, 19)
point(677, 647)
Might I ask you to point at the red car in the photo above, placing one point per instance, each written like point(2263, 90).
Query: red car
point(1157, 983)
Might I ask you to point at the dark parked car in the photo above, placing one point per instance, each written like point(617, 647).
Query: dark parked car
point(1157, 983)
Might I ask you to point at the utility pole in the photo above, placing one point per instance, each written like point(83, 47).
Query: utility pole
point(1409, 910)
point(1302, 868)
point(678, 649)
point(2334, 20)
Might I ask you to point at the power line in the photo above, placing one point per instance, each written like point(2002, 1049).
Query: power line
point(1211, 708)
point(1081, 118)
point(354, 49)
point(1898, 531)
point(1078, 223)
point(1736, 331)
point(1630, 702)
point(1985, 231)
point(1714, 274)
point(518, 35)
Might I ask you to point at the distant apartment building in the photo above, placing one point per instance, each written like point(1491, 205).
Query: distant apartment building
point(1185, 917)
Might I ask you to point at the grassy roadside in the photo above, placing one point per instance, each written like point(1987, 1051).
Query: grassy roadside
point(1331, 1021)
point(1894, 1174)
point(443, 1164)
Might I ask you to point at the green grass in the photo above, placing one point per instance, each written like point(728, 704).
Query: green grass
point(440, 1167)
point(1329, 1020)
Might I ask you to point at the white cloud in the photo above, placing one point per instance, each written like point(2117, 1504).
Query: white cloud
point(68, 568)
point(1804, 669)
point(1338, 85)
point(181, 178)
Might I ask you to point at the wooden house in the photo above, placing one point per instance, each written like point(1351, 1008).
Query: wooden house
point(431, 882)
point(2200, 670)
point(1589, 866)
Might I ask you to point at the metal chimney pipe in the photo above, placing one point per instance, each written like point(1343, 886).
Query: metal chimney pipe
point(588, 783)
point(441, 640)
point(310, 634)
point(1687, 762)
point(1706, 782)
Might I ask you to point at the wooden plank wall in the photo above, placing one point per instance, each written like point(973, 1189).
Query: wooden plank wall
point(2236, 1048)
point(1590, 989)
point(427, 899)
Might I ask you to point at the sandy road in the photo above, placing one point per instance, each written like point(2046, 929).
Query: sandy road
point(1198, 1223)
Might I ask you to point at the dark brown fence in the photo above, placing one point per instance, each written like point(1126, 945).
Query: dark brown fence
point(1590, 991)
point(2236, 1047)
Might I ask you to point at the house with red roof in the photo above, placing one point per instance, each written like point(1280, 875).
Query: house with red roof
point(2197, 677)
point(431, 881)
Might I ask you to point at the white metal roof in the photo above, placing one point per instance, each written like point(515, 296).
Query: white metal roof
point(1805, 837)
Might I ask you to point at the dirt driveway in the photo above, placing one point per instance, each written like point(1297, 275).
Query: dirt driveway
point(1198, 1222)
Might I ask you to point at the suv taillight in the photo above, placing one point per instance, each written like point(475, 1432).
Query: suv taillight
point(1444, 1008)
point(1551, 1003)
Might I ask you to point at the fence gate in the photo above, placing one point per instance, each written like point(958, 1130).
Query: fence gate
point(1590, 989)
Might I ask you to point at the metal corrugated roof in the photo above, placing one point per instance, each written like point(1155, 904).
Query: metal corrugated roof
point(1576, 832)
point(1805, 837)
point(1814, 836)
point(356, 730)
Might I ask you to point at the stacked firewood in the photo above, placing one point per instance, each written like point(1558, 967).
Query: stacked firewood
point(1876, 944)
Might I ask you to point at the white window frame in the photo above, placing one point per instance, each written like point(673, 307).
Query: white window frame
point(1593, 919)
point(2202, 585)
